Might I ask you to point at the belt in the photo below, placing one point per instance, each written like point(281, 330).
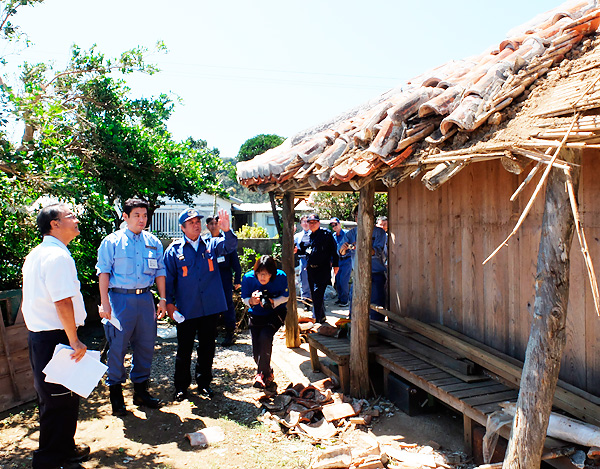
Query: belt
point(136, 291)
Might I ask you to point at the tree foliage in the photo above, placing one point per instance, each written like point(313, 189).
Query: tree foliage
point(88, 142)
point(328, 204)
point(258, 145)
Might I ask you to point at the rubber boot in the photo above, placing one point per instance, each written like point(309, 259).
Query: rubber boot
point(116, 400)
point(142, 397)
point(229, 339)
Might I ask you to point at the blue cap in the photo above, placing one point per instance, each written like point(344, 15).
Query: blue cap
point(188, 214)
point(334, 219)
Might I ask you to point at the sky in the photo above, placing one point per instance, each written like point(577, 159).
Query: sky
point(240, 68)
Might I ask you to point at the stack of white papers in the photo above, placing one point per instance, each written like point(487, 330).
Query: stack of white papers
point(80, 377)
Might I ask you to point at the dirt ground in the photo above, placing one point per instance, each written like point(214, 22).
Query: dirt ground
point(156, 438)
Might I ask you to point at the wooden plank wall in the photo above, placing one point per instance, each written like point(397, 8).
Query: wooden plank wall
point(438, 241)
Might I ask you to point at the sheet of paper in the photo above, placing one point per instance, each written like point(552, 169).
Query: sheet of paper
point(80, 377)
point(178, 317)
point(114, 321)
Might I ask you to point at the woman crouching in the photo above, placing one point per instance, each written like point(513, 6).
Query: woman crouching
point(265, 291)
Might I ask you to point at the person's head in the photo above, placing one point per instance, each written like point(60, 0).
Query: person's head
point(382, 222)
point(190, 223)
point(304, 222)
point(212, 223)
point(135, 214)
point(59, 221)
point(335, 224)
point(265, 268)
point(355, 213)
point(314, 222)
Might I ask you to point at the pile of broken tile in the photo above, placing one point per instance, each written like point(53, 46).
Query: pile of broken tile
point(340, 425)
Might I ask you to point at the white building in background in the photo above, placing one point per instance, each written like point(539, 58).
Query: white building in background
point(165, 221)
point(262, 215)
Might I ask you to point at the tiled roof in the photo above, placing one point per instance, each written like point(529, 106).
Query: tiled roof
point(401, 131)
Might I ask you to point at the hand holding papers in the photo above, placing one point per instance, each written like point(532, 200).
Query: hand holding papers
point(80, 377)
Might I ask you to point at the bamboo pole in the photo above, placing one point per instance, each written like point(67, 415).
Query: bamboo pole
point(534, 195)
point(583, 243)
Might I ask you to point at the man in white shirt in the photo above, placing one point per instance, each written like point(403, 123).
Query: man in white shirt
point(53, 309)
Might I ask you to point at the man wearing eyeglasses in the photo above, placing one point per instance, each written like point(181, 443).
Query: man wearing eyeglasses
point(342, 278)
point(321, 256)
point(53, 309)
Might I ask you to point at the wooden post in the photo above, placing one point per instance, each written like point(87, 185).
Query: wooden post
point(547, 338)
point(275, 214)
point(361, 295)
point(292, 334)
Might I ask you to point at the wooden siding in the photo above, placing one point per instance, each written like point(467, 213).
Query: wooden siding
point(438, 241)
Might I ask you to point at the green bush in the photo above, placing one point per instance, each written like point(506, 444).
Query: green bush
point(254, 231)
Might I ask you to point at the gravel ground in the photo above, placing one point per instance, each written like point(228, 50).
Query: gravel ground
point(156, 437)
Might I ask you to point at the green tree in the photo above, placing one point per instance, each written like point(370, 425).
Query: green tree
point(328, 204)
point(258, 145)
point(87, 141)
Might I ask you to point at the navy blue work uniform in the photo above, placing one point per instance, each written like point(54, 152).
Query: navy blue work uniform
point(229, 263)
point(301, 240)
point(194, 286)
point(265, 322)
point(321, 256)
point(378, 268)
point(342, 278)
point(133, 261)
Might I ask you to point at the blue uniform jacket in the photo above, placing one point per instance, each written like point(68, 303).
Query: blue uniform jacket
point(379, 241)
point(276, 287)
point(227, 263)
point(193, 282)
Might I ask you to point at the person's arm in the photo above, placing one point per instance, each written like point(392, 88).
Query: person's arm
point(66, 314)
point(105, 310)
point(170, 280)
point(162, 303)
point(335, 260)
point(237, 270)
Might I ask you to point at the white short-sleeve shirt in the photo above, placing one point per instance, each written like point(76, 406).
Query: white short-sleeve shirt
point(49, 275)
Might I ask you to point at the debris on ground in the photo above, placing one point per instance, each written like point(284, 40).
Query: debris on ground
point(206, 436)
point(339, 425)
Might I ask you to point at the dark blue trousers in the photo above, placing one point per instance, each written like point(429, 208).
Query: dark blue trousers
point(58, 406)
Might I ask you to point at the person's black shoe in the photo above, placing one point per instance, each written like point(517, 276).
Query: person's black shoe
point(206, 391)
point(229, 339)
point(141, 396)
point(79, 454)
point(180, 395)
point(69, 465)
point(116, 400)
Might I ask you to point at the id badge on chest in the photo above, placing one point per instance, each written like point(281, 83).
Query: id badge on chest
point(153, 263)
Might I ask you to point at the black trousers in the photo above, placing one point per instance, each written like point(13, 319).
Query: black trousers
point(318, 281)
point(58, 406)
point(262, 330)
point(262, 347)
point(205, 328)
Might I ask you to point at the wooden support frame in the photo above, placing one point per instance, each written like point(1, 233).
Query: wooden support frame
point(292, 334)
point(361, 296)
